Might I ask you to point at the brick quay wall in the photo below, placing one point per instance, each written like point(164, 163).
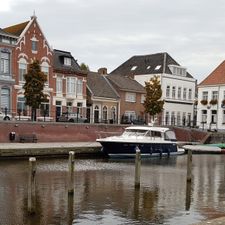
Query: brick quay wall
point(70, 132)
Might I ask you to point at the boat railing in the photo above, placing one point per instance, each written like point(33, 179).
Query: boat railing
point(104, 134)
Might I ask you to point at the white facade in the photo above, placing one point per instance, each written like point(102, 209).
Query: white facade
point(178, 92)
point(211, 114)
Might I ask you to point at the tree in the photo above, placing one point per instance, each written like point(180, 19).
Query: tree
point(84, 67)
point(33, 88)
point(153, 103)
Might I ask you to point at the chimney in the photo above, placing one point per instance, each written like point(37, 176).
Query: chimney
point(102, 71)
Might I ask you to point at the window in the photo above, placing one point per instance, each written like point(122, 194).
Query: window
point(178, 119)
point(5, 98)
point(113, 113)
point(184, 119)
point(45, 70)
point(148, 67)
point(67, 61)
point(223, 116)
point(69, 107)
point(167, 117)
point(179, 93)
point(204, 116)
point(174, 92)
point(44, 109)
point(177, 70)
point(6, 40)
point(71, 85)
point(213, 116)
point(158, 67)
point(173, 118)
point(214, 95)
point(133, 68)
point(22, 71)
point(5, 63)
point(21, 106)
point(59, 84)
point(130, 115)
point(185, 93)
point(189, 94)
point(130, 97)
point(104, 114)
point(168, 91)
point(79, 87)
point(205, 95)
point(34, 46)
point(142, 98)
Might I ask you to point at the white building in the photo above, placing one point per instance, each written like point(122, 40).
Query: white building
point(211, 100)
point(178, 86)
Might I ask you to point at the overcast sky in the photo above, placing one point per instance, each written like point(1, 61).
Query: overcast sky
point(105, 33)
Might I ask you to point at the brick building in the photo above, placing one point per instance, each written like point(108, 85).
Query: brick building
point(31, 45)
point(7, 73)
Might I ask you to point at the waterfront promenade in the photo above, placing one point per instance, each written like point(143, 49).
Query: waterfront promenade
point(218, 221)
point(49, 149)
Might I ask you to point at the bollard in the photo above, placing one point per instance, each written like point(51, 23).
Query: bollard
point(137, 167)
point(71, 173)
point(189, 166)
point(31, 186)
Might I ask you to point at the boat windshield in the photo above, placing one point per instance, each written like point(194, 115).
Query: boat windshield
point(134, 132)
point(170, 135)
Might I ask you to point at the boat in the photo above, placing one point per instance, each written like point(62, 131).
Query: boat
point(205, 148)
point(150, 140)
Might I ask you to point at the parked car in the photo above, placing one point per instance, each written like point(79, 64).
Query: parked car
point(3, 116)
point(72, 117)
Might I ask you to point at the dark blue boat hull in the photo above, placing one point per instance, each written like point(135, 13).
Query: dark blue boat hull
point(121, 148)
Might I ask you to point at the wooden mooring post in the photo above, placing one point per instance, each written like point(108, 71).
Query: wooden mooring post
point(31, 186)
point(189, 165)
point(137, 167)
point(71, 173)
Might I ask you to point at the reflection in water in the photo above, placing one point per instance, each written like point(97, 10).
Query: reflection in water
point(105, 193)
point(70, 211)
point(188, 196)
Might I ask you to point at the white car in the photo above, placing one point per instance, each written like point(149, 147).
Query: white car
point(3, 116)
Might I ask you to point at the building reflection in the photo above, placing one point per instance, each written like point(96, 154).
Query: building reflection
point(108, 187)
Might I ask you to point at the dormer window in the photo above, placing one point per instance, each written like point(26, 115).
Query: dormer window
point(67, 61)
point(133, 68)
point(158, 67)
point(177, 70)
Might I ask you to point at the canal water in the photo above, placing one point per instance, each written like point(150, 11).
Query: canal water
point(105, 193)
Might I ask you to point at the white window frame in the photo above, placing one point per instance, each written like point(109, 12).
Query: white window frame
point(67, 61)
point(71, 85)
point(59, 84)
point(130, 97)
point(79, 86)
point(22, 64)
point(167, 91)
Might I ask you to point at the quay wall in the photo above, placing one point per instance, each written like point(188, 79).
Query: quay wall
point(70, 132)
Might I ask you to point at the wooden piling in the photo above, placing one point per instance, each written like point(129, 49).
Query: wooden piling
point(31, 186)
point(71, 173)
point(189, 165)
point(137, 168)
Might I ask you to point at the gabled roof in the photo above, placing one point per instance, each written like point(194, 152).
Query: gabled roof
point(125, 83)
point(147, 64)
point(100, 86)
point(216, 77)
point(6, 34)
point(58, 62)
point(16, 29)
